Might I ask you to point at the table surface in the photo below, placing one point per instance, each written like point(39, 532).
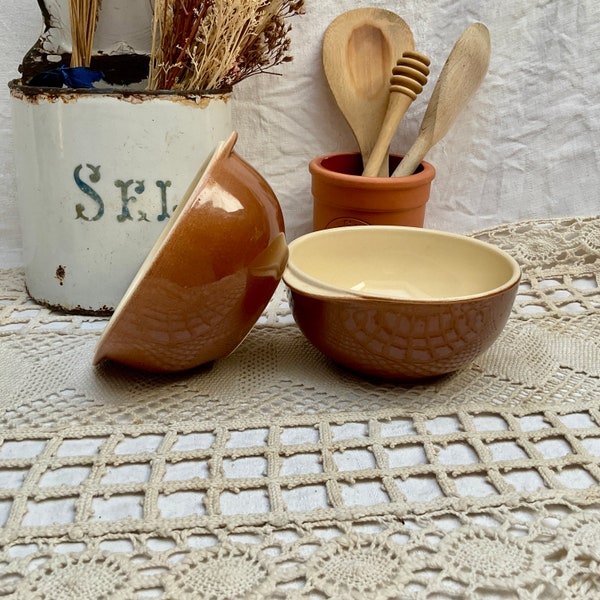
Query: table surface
point(275, 473)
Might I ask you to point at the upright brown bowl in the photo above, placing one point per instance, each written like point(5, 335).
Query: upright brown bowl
point(399, 302)
point(209, 276)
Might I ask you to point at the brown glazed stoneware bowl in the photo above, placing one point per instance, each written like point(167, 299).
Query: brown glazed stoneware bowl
point(399, 303)
point(209, 276)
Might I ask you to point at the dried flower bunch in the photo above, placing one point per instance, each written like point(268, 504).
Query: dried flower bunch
point(212, 44)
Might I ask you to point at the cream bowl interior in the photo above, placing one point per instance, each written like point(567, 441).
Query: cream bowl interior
point(397, 263)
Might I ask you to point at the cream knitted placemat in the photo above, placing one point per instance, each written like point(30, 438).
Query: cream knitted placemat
point(275, 473)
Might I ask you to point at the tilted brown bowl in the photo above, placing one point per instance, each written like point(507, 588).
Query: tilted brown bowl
point(209, 276)
point(399, 303)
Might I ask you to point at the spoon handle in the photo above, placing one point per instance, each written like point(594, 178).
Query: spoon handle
point(459, 79)
point(412, 159)
point(408, 78)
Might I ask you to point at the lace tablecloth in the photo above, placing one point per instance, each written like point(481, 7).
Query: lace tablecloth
point(274, 473)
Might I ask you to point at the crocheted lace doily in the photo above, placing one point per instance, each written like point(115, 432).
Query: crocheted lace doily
point(273, 473)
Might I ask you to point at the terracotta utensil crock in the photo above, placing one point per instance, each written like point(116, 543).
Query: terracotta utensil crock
point(342, 196)
point(209, 276)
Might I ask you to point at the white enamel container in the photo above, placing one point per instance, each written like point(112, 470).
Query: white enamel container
point(99, 172)
point(98, 175)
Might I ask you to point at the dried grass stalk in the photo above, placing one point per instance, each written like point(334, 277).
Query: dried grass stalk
point(84, 17)
point(211, 44)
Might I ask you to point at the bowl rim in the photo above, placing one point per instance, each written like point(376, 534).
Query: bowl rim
point(300, 282)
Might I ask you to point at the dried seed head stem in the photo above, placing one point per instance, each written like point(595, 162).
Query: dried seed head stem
point(83, 15)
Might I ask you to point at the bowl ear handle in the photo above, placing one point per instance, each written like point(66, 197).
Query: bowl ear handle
point(272, 260)
point(229, 144)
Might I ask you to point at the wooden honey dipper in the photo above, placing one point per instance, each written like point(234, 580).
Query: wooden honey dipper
point(407, 81)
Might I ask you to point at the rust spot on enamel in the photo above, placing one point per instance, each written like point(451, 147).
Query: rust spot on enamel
point(60, 274)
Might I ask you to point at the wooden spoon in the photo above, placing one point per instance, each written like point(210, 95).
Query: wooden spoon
point(360, 48)
point(408, 78)
point(459, 79)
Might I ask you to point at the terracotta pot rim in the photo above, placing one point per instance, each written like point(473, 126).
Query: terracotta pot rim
point(426, 175)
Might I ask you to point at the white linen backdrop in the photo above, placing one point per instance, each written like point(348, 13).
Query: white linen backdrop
point(527, 146)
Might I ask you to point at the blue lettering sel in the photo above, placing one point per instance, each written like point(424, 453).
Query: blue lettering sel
point(126, 199)
point(162, 186)
point(94, 177)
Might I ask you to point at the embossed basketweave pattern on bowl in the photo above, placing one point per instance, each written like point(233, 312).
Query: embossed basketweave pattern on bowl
point(419, 343)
